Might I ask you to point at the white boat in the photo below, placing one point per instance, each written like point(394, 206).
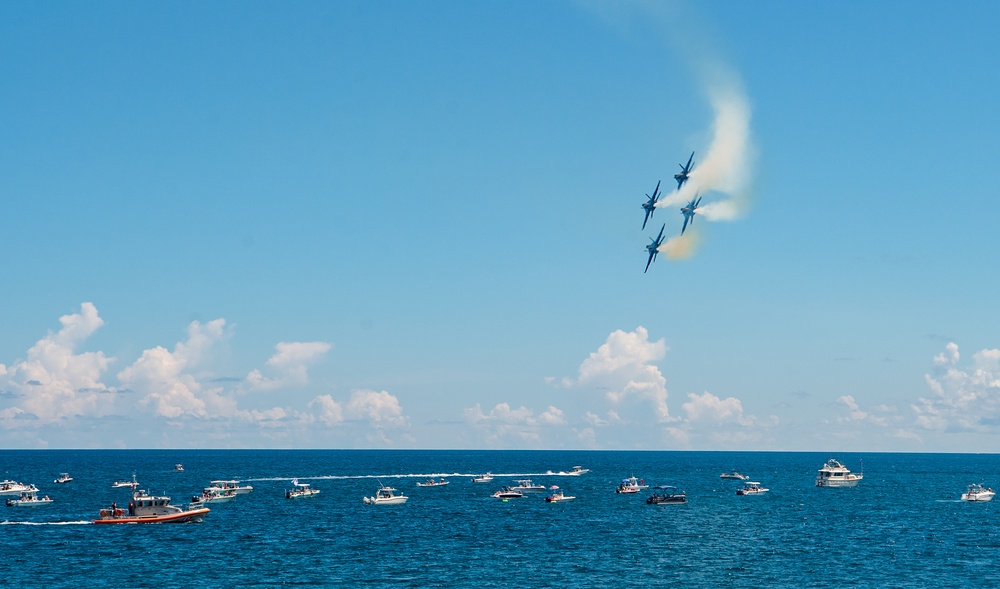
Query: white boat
point(751, 488)
point(14, 488)
point(978, 493)
point(433, 483)
point(121, 484)
point(558, 496)
point(214, 495)
point(63, 478)
point(233, 486)
point(483, 478)
point(506, 492)
point(29, 498)
point(149, 509)
point(631, 485)
point(178, 467)
point(835, 474)
point(734, 476)
point(578, 470)
point(301, 491)
point(526, 486)
point(386, 496)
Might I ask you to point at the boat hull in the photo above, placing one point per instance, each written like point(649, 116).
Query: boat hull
point(182, 517)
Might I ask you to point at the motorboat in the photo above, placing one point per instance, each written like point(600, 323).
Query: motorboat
point(386, 496)
point(734, 476)
point(214, 495)
point(14, 488)
point(150, 509)
point(483, 478)
point(526, 486)
point(506, 492)
point(631, 485)
point(301, 491)
point(29, 498)
point(233, 486)
point(558, 495)
point(63, 478)
point(578, 470)
point(433, 483)
point(178, 467)
point(125, 483)
point(751, 488)
point(666, 495)
point(978, 493)
point(835, 474)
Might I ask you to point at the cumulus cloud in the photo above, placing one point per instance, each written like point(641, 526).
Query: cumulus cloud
point(962, 400)
point(327, 410)
point(289, 365)
point(855, 413)
point(504, 424)
point(378, 407)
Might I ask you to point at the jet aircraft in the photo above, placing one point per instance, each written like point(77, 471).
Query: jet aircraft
point(685, 170)
point(653, 247)
point(689, 212)
point(650, 205)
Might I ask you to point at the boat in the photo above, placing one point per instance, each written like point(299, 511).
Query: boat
point(526, 486)
point(14, 488)
point(558, 496)
point(178, 467)
point(29, 498)
point(214, 495)
point(63, 478)
point(751, 488)
point(666, 495)
point(121, 484)
point(301, 490)
point(631, 485)
point(150, 509)
point(734, 476)
point(835, 474)
point(977, 493)
point(386, 496)
point(433, 483)
point(578, 470)
point(506, 492)
point(483, 478)
point(233, 486)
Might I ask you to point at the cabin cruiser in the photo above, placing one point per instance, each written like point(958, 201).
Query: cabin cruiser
point(29, 498)
point(734, 476)
point(666, 495)
point(433, 483)
point(483, 478)
point(149, 509)
point(751, 488)
point(977, 493)
point(63, 478)
point(557, 496)
point(526, 486)
point(233, 486)
point(506, 492)
point(631, 485)
point(386, 496)
point(835, 474)
point(14, 488)
point(301, 490)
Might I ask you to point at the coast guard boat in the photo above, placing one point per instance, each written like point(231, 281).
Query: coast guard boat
point(149, 509)
point(835, 474)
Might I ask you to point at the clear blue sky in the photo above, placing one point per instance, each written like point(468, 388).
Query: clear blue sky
point(399, 224)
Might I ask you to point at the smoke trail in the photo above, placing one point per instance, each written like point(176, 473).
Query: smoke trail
point(680, 247)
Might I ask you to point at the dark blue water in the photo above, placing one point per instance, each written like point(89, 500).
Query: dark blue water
point(903, 526)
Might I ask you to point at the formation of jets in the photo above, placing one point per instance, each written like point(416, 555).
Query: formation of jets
point(688, 211)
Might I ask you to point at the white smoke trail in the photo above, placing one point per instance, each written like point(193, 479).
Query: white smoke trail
point(680, 247)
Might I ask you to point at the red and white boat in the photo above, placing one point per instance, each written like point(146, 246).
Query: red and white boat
point(148, 509)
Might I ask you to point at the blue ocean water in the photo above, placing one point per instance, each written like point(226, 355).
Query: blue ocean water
point(903, 526)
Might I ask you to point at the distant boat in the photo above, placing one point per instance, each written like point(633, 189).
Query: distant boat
point(578, 470)
point(301, 490)
point(433, 483)
point(386, 496)
point(483, 478)
point(978, 493)
point(751, 489)
point(733, 475)
point(178, 467)
point(29, 498)
point(666, 495)
point(835, 474)
point(63, 478)
point(506, 492)
point(558, 496)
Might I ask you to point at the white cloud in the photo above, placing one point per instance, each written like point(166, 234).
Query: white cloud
point(963, 400)
point(855, 413)
point(379, 408)
point(291, 365)
point(327, 410)
point(504, 424)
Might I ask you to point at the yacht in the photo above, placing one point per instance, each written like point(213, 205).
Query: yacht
point(233, 486)
point(433, 483)
point(386, 496)
point(666, 495)
point(977, 493)
point(835, 474)
point(483, 478)
point(301, 490)
point(734, 476)
point(631, 485)
point(558, 496)
point(14, 488)
point(29, 498)
point(506, 492)
point(526, 486)
point(63, 478)
point(751, 488)
point(150, 509)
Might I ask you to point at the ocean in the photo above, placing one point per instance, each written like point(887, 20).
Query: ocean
point(902, 526)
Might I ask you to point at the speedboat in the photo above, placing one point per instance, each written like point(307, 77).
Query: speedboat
point(433, 483)
point(734, 475)
point(233, 486)
point(178, 467)
point(120, 484)
point(506, 492)
point(751, 488)
point(578, 470)
point(666, 495)
point(149, 509)
point(301, 490)
point(483, 478)
point(29, 498)
point(63, 478)
point(557, 496)
point(977, 493)
point(835, 474)
point(386, 496)
point(526, 486)
point(631, 485)
point(14, 488)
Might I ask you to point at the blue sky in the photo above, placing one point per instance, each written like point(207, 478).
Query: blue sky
point(397, 224)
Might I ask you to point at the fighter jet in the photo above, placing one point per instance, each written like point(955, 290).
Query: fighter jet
point(650, 205)
point(653, 247)
point(689, 212)
point(685, 170)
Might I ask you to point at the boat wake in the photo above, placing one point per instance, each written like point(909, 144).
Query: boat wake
point(416, 476)
point(73, 523)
